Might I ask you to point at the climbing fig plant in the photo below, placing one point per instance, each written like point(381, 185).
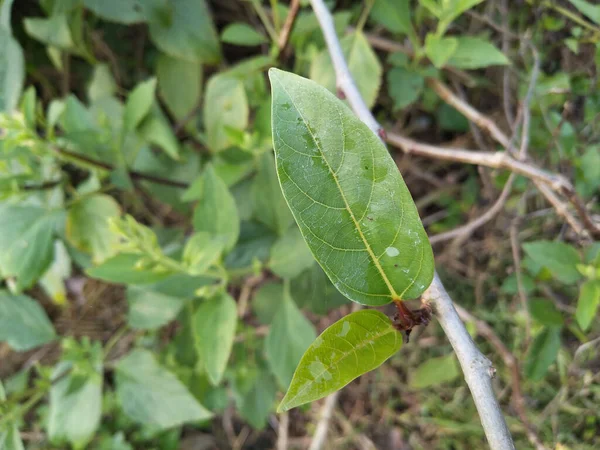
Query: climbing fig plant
point(360, 223)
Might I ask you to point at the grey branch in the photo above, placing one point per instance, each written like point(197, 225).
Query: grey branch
point(477, 369)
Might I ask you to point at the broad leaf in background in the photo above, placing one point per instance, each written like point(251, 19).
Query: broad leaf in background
point(394, 15)
point(87, 226)
point(138, 105)
point(183, 29)
point(587, 8)
point(76, 400)
point(53, 31)
point(102, 83)
point(151, 395)
point(475, 53)
point(255, 403)
point(200, 252)
point(23, 323)
point(447, 10)
point(269, 205)
point(266, 301)
point(12, 65)
point(123, 269)
point(10, 438)
point(26, 242)
point(347, 195)
point(440, 49)
point(215, 321)
point(362, 62)
point(559, 258)
point(120, 11)
point(289, 336)
point(179, 84)
point(242, 34)
point(157, 130)
point(225, 107)
point(435, 371)
point(588, 303)
point(545, 312)
point(314, 291)
point(53, 280)
point(354, 345)
point(404, 86)
point(216, 212)
point(290, 256)
point(542, 353)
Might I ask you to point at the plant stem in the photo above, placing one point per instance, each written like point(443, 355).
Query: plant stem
point(476, 367)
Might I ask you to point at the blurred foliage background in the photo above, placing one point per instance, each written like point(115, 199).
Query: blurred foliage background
point(156, 292)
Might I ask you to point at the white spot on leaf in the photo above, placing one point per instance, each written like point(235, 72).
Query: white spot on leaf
point(392, 251)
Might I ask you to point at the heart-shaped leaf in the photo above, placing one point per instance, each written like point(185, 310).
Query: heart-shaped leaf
point(346, 193)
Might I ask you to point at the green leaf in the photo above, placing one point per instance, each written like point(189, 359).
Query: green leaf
point(23, 323)
point(395, 15)
point(123, 269)
point(52, 31)
point(26, 242)
point(590, 10)
point(588, 303)
point(121, 11)
point(405, 86)
point(214, 325)
point(362, 62)
point(12, 65)
point(216, 212)
point(269, 205)
point(354, 345)
point(289, 336)
point(255, 405)
point(10, 438)
point(53, 280)
point(179, 84)
point(201, 252)
point(156, 129)
point(290, 256)
point(138, 104)
point(225, 106)
point(347, 196)
point(74, 415)
point(542, 353)
point(545, 312)
point(151, 395)
point(242, 34)
point(183, 29)
point(87, 226)
point(266, 302)
point(559, 258)
point(103, 84)
point(435, 371)
point(475, 53)
point(313, 290)
point(440, 49)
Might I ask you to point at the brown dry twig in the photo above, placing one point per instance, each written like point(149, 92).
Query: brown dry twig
point(286, 30)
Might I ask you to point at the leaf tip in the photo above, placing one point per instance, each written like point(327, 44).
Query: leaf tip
point(283, 407)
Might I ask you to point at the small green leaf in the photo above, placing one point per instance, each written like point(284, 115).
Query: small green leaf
point(590, 10)
point(87, 226)
point(179, 84)
point(354, 345)
point(216, 212)
point(151, 395)
point(52, 31)
point(545, 312)
point(156, 129)
point(26, 242)
point(559, 258)
point(362, 62)
point(290, 256)
point(440, 49)
point(102, 84)
point(242, 34)
point(405, 86)
point(138, 104)
point(269, 204)
point(588, 303)
point(347, 195)
point(542, 353)
point(214, 325)
point(395, 15)
point(256, 404)
point(123, 269)
point(121, 11)
point(23, 323)
point(435, 371)
point(201, 252)
point(289, 336)
point(475, 53)
point(227, 96)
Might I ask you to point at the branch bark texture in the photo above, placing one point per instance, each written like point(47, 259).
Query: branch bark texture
point(477, 369)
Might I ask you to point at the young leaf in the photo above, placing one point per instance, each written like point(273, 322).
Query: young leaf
point(216, 212)
point(87, 226)
point(362, 62)
point(242, 34)
point(475, 53)
point(559, 258)
point(588, 303)
point(347, 195)
point(23, 323)
point(289, 336)
point(356, 344)
point(290, 256)
point(138, 104)
point(151, 395)
point(214, 325)
point(542, 353)
point(179, 84)
point(123, 269)
point(440, 49)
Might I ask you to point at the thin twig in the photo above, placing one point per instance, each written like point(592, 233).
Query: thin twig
point(477, 368)
point(282, 431)
point(320, 435)
point(284, 35)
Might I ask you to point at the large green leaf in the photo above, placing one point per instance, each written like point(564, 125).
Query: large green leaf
point(589, 9)
point(559, 258)
point(356, 344)
point(23, 323)
point(214, 325)
point(347, 195)
point(404, 86)
point(12, 65)
point(289, 336)
point(362, 62)
point(52, 31)
point(26, 242)
point(179, 84)
point(151, 395)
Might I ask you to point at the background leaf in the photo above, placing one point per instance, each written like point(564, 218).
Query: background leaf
point(561, 259)
point(475, 53)
point(435, 371)
point(12, 72)
point(588, 303)
point(542, 353)
point(179, 84)
point(290, 255)
point(242, 34)
point(121, 11)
